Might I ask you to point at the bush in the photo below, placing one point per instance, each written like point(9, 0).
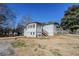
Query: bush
point(18, 43)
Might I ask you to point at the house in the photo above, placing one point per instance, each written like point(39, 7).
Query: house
point(36, 29)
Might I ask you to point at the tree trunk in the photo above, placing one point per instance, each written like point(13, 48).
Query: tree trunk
point(72, 31)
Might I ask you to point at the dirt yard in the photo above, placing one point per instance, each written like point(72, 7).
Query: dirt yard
point(59, 45)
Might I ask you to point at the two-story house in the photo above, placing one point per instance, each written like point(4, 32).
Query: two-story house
point(36, 29)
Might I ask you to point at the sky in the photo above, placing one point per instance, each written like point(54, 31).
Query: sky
point(40, 12)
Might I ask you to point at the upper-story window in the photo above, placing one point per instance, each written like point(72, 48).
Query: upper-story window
point(33, 25)
point(29, 26)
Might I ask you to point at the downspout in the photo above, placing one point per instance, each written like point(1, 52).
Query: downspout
point(42, 29)
point(36, 30)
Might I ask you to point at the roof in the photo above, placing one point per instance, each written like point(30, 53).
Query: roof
point(39, 23)
point(36, 23)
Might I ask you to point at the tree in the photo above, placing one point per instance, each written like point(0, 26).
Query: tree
point(22, 24)
point(25, 20)
point(70, 21)
point(2, 18)
point(7, 18)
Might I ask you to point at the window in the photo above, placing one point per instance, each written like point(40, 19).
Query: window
point(33, 25)
point(33, 33)
point(30, 26)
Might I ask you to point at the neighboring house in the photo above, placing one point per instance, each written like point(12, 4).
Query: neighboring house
point(36, 29)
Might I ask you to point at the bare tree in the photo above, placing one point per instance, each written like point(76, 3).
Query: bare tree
point(25, 20)
point(23, 23)
point(7, 18)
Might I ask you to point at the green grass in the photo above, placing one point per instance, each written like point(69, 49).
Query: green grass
point(76, 47)
point(18, 44)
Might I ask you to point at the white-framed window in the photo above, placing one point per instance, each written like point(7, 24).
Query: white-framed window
point(29, 26)
point(33, 33)
point(33, 25)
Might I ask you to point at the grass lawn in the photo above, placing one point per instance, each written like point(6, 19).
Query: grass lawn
point(59, 45)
